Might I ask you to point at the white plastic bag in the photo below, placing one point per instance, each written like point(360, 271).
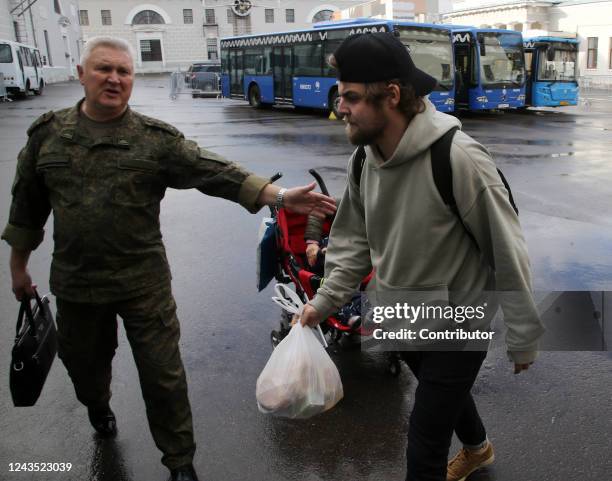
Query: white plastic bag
point(300, 379)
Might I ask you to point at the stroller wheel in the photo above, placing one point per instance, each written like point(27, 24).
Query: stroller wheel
point(275, 338)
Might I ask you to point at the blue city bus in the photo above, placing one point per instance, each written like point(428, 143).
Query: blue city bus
point(291, 67)
point(551, 64)
point(489, 68)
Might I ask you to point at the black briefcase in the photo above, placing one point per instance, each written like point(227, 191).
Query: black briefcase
point(33, 352)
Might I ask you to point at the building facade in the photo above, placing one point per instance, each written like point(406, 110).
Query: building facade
point(165, 35)
point(170, 34)
point(225, 18)
point(590, 20)
point(50, 25)
point(423, 11)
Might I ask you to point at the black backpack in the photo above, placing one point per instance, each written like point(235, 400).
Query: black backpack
point(441, 169)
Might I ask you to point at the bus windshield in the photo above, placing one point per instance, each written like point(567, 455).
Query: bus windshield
point(563, 66)
point(431, 51)
point(501, 61)
point(6, 55)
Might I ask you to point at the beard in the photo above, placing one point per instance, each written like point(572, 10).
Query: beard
point(363, 135)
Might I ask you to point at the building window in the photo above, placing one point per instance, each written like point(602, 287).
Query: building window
point(48, 48)
point(290, 15)
point(209, 16)
point(187, 15)
point(269, 15)
point(106, 17)
point(592, 52)
point(83, 17)
point(211, 48)
point(230, 15)
point(148, 17)
point(322, 15)
point(57, 7)
point(150, 50)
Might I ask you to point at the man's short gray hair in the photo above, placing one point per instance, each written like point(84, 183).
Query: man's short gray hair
point(102, 41)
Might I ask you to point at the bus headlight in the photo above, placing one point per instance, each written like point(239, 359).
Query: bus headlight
point(521, 98)
point(482, 99)
point(449, 101)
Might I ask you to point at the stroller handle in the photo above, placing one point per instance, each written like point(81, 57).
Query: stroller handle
point(275, 177)
point(319, 180)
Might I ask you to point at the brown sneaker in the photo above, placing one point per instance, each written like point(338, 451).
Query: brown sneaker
point(466, 462)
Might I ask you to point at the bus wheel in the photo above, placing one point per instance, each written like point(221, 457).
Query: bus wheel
point(334, 103)
point(255, 97)
point(41, 87)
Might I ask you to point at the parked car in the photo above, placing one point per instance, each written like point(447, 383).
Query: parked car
point(203, 77)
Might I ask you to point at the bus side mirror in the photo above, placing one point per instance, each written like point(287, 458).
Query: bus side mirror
point(483, 52)
point(550, 53)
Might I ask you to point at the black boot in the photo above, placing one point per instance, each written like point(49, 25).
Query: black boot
point(103, 420)
point(183, 473)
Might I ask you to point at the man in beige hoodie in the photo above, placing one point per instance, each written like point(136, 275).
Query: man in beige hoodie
point(393, 219)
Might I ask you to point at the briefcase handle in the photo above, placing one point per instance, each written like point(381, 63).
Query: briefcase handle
point(26, 309)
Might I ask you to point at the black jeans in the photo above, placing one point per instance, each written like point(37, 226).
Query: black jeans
point(442, 404)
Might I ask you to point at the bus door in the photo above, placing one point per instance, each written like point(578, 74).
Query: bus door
point(463, 65)
point(283, 72)
point(530, 74)
point(236, 72)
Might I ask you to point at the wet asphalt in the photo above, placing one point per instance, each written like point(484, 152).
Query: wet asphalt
point(552, 423)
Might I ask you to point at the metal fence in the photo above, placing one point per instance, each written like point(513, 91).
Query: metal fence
point(206, 86)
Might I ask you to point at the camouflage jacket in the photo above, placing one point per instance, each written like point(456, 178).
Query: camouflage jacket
point(105, 195)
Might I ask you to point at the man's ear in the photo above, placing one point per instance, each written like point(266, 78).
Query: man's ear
point(80, 72)
point(394, 95)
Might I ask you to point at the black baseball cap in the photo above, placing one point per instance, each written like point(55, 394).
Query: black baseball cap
point(379, 56)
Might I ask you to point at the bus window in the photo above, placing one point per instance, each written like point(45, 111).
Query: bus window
point(562, 67)
point(502, 61)
point(266, 63)
point(330, 48)
point(6, 54)
point(25, 57)
point(431, 51)
point(307, 60)
point(252, 58)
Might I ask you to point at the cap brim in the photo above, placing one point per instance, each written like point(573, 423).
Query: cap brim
point(423, 83)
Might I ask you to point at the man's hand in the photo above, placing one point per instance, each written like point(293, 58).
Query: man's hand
point(312, 250)
point(22, 285)
point(310, 316)
point(22, 282)
point(521, 367)
point(303, 201)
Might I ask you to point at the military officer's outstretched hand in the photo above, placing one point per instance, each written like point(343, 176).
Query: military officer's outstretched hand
point(301, 200)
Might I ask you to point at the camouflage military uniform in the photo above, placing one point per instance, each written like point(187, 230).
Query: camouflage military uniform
point(109, 258)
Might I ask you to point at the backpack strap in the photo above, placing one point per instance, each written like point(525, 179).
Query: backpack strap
point(441, 168)
point(358, 163)
point(443, 174)
point(507, 186)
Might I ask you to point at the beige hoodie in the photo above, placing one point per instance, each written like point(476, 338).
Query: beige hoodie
point(397, 223)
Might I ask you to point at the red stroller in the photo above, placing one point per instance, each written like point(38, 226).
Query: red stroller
point(293, 267)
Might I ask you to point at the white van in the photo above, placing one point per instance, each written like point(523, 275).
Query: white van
point(21, 67)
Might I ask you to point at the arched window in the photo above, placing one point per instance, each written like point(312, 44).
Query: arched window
point(322, 15)
point(518, 27)
point(148, 17)
point(536, 26)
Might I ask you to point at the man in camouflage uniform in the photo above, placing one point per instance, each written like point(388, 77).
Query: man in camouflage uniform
point(102, 169)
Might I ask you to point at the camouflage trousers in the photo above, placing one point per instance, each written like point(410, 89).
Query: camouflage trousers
point(87, 335)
